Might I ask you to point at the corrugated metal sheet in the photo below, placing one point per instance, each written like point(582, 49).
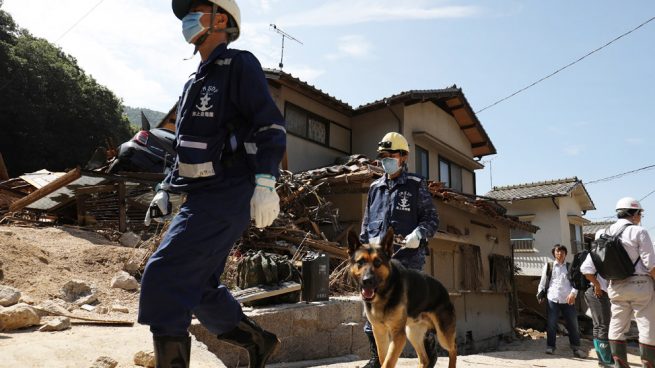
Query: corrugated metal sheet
point(531, 265)
point(65, 194)
point(41, 178)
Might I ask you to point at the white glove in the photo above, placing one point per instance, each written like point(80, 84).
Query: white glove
point(159, 209)
point(413, 240)
point(265, 203)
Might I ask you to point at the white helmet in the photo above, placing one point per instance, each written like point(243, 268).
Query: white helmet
point(181, 9)
point(628, 203)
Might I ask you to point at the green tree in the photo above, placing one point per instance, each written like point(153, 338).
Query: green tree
point(52, 115)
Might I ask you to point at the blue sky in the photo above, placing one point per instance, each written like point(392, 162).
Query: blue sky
point(592, 120)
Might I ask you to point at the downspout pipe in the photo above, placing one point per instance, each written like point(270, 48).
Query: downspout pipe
point(400, 122)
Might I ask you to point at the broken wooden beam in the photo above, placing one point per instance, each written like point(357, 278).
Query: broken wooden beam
point(265, 291)
point(62, 181)
point(333, 249)
point(4, 175)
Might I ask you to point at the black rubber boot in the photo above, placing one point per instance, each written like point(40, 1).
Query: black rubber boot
point(430, 344)
point(619, 353)
point(647, 353)
point(260, 344)
point(172, 351)
point(375, 360)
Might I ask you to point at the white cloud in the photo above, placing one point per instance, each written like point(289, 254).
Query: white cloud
point(134, 48)
point(344, 12)
point(573, 150)
point(355, 46)
point(634, 140)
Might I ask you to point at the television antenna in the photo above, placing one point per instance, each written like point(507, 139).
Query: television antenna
point(284, 35)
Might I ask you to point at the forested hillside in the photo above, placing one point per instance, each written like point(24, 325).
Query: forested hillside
point(52, 114)
point(134, 115)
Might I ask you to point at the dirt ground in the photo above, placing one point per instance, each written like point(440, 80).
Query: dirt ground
point(39, 261)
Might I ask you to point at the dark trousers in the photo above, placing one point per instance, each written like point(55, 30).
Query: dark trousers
point(570, 320)
point(601, 312)
point(182, 276)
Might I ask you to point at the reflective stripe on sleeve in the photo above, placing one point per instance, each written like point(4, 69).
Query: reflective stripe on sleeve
point(272, 126)
point(251, 148)
point(192, 144)
point(202, 170)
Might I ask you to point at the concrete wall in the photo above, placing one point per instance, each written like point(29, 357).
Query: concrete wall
point(368, 129)
point(429, 118)
point(307, 330)
point(304, 154)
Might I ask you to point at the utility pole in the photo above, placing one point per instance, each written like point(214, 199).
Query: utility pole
point(284, 35)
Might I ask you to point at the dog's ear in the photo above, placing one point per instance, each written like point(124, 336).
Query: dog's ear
point(353, 243)
point(387, 242)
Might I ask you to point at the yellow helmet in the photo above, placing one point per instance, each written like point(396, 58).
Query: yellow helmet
point(393, 141)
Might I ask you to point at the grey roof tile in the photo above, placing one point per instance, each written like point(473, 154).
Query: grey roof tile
point(542, 189)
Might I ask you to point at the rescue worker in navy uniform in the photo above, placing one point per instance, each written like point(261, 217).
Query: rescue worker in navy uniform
point(399, 200)
point(230, 138)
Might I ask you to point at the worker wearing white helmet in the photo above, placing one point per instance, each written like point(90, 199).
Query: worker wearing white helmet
point(633, 296)
point(230, 139)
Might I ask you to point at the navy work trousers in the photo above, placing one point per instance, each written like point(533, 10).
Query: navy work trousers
point(182, 276)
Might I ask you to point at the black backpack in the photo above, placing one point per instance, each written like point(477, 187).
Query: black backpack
point(577, 279)
point(610, 257)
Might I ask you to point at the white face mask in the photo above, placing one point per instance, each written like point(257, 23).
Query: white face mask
point(191, 26)
point(390, 165)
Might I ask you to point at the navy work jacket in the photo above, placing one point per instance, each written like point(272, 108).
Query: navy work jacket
point(403, 203)
point(227, 124)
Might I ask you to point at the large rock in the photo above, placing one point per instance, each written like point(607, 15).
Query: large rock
point(18, 316)
point(129, 239)
point(8, 296)
point(78, 292)
point(104, 362)
point(2, 275)
point(145, 359)
point(52, 307)
point(123, 280)
point(57, 324)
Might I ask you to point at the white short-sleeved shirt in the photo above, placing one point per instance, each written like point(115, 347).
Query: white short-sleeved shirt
point(588, 268)
point(637, 243)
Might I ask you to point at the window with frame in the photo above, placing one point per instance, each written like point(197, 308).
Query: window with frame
point(303, 123)
point(422, 162)
point(450, 174)
point(522, 240)
point(576, 238)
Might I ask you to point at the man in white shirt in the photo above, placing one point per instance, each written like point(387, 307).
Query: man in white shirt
point(560, 296)
point(599, 304)
point(633, 295)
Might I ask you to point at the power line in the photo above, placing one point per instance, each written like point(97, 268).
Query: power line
point(609, 178)
point(566, 66)
point(57, 40)
point(78, 21)
point(646, 196)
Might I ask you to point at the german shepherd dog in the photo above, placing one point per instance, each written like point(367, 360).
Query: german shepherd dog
point(401, 303)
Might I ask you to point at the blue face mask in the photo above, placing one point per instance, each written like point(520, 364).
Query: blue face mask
point(191, 26)
point(390, 165)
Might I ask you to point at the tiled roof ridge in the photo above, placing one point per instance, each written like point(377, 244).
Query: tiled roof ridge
point(538, 183)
